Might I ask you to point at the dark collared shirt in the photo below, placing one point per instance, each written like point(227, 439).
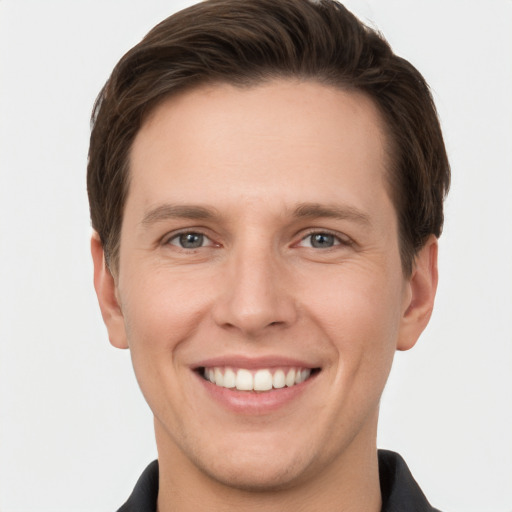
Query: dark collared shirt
point(400, 492)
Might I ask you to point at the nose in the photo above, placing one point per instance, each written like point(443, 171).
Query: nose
point(256, 293)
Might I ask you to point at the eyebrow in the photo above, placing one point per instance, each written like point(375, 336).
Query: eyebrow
point(302, 211)
point(317, 210)
point(173, 211)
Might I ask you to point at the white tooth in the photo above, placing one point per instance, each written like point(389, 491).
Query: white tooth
point(229, 378)
point(262, 380)
point(219, 379)
point(278, 380)
point(298, 377)
point(290, 378)
point(211, 375)
point(305, 374)
point(243, 380)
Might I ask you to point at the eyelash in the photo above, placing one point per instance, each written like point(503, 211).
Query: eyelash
point(338, 240)
point(177, 236)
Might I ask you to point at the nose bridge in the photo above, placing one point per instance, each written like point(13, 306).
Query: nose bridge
point(255, 294)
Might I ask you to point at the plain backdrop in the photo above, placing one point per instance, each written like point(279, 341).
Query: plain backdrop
point(75, 432)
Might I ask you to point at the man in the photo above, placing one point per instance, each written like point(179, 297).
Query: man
point(266, 182)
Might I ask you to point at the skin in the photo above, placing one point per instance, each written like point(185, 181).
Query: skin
point(258, 287)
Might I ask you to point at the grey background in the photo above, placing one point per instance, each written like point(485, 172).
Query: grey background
point(74, 430)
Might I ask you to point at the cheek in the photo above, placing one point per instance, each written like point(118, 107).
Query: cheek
point(359, 312)
point(161, 313)
point(162, 309)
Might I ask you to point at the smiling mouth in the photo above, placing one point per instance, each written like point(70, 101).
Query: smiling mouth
point(264, 379)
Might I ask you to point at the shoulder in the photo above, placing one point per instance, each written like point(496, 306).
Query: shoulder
point(145, 493)
point(400, 491)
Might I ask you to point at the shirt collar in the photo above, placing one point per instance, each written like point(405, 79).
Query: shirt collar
point(400, 492)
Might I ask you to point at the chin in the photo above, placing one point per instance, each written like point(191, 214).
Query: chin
point(252, 461)
point(262, 475)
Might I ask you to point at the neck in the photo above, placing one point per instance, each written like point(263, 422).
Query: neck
point(348, 483)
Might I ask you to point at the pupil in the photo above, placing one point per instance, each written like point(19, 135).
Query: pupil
point(322, 240)
point(191, 240)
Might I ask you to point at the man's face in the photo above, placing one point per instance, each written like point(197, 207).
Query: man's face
point(259, 248)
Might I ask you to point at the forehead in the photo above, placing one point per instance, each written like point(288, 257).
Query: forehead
point(301, 141)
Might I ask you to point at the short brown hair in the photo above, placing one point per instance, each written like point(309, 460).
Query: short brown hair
point(248, 42)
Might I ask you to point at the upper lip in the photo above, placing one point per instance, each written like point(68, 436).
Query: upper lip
point(239, 361)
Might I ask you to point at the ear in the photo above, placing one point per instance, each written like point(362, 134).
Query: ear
point(419, 296)
point(106, 291)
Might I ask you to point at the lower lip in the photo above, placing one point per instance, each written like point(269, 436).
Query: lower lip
point(254, 402)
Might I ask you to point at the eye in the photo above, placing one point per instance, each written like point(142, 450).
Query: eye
point(321, 240)
point(190, 240)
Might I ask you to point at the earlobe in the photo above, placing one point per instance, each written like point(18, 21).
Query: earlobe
point(105, 287)
point(422, 287)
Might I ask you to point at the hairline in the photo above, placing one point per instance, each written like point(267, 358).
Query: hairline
point(390, 144)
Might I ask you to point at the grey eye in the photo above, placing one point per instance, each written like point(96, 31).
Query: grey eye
point(189, 240)
point(322, 240)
